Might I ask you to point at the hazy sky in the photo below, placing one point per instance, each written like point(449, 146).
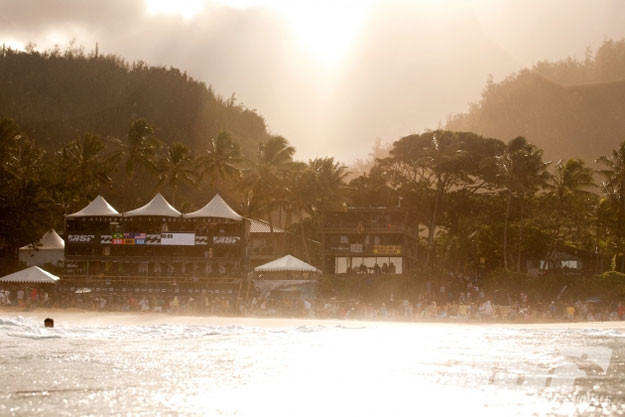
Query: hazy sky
point(329, 75)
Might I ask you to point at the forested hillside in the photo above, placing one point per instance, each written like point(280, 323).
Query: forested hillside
point(568, 108)
point(58, 95)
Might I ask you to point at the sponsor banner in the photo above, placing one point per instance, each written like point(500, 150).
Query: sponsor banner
point(131, 238)
point(81, 238)
point(201, 240)
point(355, 248)
point(178, 239)
point(153, 239)
point(387, 249)
point(106, 239)
point(226, 240)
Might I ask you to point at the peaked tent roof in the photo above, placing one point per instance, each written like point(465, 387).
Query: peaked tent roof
point(158, 206)
point(217, 207)
point(33, 274)
point(98, 207)
point(286, 263)
point(50, 240)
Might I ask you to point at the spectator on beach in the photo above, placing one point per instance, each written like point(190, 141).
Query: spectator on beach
point(488, 309)
point(570, 313)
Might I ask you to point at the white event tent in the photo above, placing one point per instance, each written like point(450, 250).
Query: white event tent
point(158, 207)
point(99, 207)
point(286, 263)
point(48, 250)
point(32, 275)
point(217, 207)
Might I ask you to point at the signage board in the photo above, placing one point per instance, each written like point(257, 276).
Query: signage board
point(387, 249)
point(226, 240)
point(355, 248)
point(153, 239)
point(81, 238)
point(178, 239)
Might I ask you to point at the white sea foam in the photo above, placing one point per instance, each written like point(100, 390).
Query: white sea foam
point(142, 368)
point(28, 328)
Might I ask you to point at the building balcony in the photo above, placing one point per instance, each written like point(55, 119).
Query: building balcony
point(151, 259)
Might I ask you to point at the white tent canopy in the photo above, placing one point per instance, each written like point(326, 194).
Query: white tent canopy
point(98, 207)
point(286, 263)
point(217, 207)
point(49, 241)
point(158, 206)
point(34, 274)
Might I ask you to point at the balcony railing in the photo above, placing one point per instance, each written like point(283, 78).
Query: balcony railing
point(152, 259)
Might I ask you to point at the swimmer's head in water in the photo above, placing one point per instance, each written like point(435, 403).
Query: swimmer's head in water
point(48, 322)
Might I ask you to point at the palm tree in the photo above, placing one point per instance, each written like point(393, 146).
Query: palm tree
point(613, 186)
point(82, 169)
point(177, 166)
point(299, 197)
point(521, 173)
point(265, 178)
point(221, 158)
point(141, 147)
point(329, 182)
point(569, 200)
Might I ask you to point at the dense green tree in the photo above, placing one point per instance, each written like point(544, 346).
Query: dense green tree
point(431, 164)
point(372, 190)
point(26, 209)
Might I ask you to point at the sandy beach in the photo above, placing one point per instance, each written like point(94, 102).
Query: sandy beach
point(96, 318)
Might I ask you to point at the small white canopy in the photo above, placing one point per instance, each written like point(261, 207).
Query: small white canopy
point(49, 241)
point(217, 207)
point(286, 263)
point(158, 206)
point(98, 207)
point(34, 274)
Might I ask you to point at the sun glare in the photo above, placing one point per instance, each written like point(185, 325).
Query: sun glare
point(185, 8)
point(325, 28)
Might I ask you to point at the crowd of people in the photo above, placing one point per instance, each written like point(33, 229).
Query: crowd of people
point(472, 304)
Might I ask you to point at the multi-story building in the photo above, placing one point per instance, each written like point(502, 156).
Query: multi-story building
point(155, 246)
point(369, 241)
point(270, 243)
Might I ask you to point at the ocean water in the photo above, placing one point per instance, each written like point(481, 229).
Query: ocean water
point(373, 370)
